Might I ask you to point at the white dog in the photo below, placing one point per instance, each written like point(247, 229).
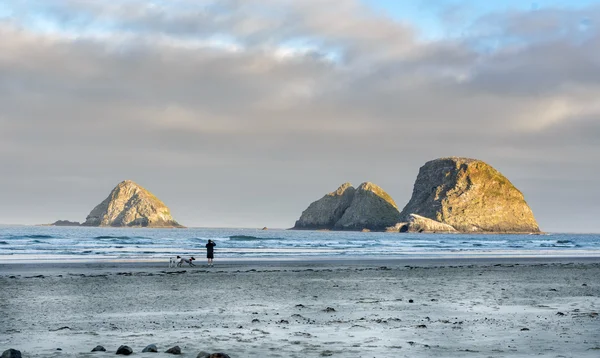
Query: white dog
point(179, 261)
point(189, 261)
point(175, 261)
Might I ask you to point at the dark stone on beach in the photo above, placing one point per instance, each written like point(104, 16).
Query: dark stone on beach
point(329, 309)
point(61, 328)
point(150, 348)
point(124, 350)
point(410, 301)
point(174, 350)
point(214, 355)
point(99, 349)
point(59, 349)
point(421, 326)
point(560, 314)
point(11, 353)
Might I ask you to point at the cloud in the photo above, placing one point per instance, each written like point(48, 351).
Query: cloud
point(283, 98)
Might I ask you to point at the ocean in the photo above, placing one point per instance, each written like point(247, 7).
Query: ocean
point(83, 244)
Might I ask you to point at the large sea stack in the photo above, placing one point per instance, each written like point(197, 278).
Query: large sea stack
point(470, 196)
point(366, 208)
point(130, 205)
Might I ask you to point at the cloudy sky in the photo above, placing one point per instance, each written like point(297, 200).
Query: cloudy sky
point(240, 113)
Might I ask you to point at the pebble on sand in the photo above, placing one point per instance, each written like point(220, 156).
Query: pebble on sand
point(150, 348)
point(174, 350)
point(124, 350)
point(11, 353)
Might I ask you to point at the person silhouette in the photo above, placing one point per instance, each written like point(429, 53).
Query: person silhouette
point(210, 252)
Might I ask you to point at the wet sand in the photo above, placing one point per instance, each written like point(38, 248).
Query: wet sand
point(379, 308)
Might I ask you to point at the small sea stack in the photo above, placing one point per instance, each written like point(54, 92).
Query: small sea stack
point(130, 205)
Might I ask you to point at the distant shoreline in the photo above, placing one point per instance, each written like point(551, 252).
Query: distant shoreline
point(293, 229)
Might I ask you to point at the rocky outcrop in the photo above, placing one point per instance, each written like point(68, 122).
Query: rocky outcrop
point(470, 196)
point(372, 208)
point(131, 205)
point(65, 223)
point(367, 208)
point(419, 223)
point(327, 211)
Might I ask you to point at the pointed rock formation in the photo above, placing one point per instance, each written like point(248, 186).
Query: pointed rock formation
point(372, 208)
point(368, 207)
point(325, 212)
point(131, 205)
point(470, 196)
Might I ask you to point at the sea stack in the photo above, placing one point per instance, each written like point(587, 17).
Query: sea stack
point(367, 208)
point(325, 212)
point(130, 205)
point(470, 196)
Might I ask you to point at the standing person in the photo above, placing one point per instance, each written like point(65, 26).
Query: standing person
point(210, 252)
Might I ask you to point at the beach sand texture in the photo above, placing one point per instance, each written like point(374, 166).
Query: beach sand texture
point(296, 309)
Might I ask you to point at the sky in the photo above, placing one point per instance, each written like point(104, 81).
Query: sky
point(241, 113)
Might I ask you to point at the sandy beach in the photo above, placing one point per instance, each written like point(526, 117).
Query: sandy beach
point(380, 308)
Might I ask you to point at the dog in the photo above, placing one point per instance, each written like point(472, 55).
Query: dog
point(178, 261)
point(189, 261)
point(174, 261)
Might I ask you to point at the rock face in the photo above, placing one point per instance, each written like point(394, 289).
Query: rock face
point(368, 207)
point(419, 223)
point(325, 212)
point(372, 209)
point(131, 205)
point(470, 196)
